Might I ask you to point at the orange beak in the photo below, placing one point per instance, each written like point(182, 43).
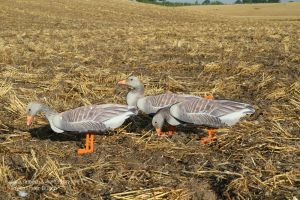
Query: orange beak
point(158, 131)
point(123, 82)
point(29, 120)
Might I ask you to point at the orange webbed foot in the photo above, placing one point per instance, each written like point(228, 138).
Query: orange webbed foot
point(162, 134)
point(83, 151)
point(89, 144)
point(171, 130)
point(208, 97)
point(210, 138)
point(207, 140)
point(170, 133)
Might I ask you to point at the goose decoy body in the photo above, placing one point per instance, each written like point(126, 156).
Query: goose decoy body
point(86, 119)
point(205, 112)
point(151, 104)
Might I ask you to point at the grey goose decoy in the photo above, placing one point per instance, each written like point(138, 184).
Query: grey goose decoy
point(86, 119)
point(205, 112)
point(151, 104)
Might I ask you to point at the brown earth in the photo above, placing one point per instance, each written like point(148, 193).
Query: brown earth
point(72, 53)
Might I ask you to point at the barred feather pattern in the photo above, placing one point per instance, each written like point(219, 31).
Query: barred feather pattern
point(154, 103)
point(207, 112)
point(92, 117)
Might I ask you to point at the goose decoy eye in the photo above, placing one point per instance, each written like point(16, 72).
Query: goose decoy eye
point(29, 109)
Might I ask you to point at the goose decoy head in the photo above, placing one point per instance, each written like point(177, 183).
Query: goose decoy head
point(158, 122)
point(131, 81)
point(32, 109)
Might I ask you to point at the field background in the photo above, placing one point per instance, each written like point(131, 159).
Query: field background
point(71, 53)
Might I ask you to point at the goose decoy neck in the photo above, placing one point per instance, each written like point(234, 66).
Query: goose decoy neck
point(48, 111)
point(134, 95)
point(165, 113)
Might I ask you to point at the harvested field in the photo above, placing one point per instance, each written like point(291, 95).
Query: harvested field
point(72, 53)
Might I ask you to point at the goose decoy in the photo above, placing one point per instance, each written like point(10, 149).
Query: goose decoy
point(151, 104)
point(86, 119)
point(204, 112)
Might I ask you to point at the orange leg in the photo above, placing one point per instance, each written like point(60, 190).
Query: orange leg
point(171, 130)
point(89, 144)
point(211, 133)
point(92, 137)
point(211, 137)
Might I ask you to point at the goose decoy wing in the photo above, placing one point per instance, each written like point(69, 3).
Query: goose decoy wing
point(151, 104)
point(212, 113)
point(94, 118)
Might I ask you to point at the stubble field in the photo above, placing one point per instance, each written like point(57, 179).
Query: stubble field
point(72, 53)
